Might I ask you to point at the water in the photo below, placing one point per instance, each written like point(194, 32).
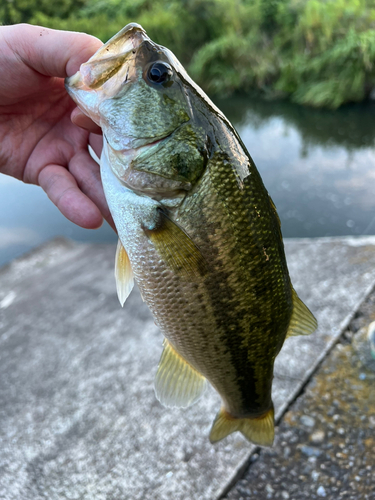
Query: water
point(318, 166)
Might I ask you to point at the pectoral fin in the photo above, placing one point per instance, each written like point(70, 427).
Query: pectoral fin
point(177, 249)
point(177, 383)
point(258, 430)
point(123, 274)
point(302, 321)
point(93, 155)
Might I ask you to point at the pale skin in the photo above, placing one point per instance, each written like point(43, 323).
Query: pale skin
point(43, 136)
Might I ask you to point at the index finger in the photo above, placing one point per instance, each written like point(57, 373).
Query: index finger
point(83, 121)
point(62, 189)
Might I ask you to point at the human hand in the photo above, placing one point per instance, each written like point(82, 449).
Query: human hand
point(41, 138)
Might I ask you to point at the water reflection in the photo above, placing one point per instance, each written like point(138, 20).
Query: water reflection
point(319, 167)
point(28, 218)
point(351, 127)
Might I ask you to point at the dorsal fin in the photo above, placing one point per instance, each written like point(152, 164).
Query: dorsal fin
point(302, 321)
point(123, 274)
point(177, 383)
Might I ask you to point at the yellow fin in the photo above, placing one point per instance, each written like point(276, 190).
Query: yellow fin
point(123, 274)
point(302, 321)
point(177, 384)
point(93, 155)
point(260, 430)
point(177, 249)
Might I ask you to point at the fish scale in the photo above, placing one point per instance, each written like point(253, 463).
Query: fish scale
point(197, 230)
point(244, 299)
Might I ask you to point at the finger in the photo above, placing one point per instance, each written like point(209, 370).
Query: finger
point(51, 52)
point(87, 174)
point(83, 121)
point(62, 190)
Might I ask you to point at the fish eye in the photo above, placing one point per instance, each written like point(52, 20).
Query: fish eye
point(159, 73)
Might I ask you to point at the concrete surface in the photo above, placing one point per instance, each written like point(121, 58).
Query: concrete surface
point(78, 415)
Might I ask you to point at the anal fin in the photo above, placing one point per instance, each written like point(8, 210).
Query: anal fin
point(177, 383)
point(123, 274)
point(302, 321)
point(259, 430)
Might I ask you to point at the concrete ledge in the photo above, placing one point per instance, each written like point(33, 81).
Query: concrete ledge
point(78, 414)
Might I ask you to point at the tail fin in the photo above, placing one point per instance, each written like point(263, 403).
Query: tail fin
point(259, 430)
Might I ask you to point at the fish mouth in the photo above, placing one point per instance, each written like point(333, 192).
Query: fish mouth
point(142, 182)
point(104, 74)
point(138, 146)
point(108, 60)
point(160, 141)
point(132, 148)
point(123, 157)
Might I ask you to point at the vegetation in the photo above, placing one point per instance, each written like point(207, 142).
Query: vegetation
point(317, 52)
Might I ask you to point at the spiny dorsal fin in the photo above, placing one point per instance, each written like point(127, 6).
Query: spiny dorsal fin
point(123, 274)
point(177, 249)
point(260, 430)
point(177, 384)
point(302, 321)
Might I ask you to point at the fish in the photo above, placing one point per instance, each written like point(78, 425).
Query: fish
point(198, 232)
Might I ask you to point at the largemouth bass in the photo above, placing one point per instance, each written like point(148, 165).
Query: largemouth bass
point(197, 229)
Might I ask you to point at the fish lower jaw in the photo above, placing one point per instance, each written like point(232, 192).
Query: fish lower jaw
point(145, 183)
point(121, 158)
point(169, 198)
point(130, 147)
point(167, 191)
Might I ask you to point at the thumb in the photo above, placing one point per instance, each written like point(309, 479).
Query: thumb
point(50, 52)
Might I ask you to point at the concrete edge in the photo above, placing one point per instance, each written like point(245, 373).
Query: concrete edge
point(353, 241)
point(242, 466)
point(40, 250)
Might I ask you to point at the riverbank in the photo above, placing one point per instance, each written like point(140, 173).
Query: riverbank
point(79, 416)
point(316, 53)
